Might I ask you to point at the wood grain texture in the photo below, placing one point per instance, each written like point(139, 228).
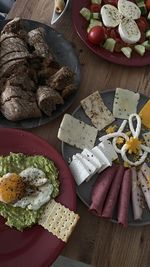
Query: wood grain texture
point(95, 241)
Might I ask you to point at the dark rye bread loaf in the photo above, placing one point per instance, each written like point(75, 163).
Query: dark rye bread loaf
point(47, 99)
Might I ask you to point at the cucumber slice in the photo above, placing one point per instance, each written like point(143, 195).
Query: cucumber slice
point(109, 44)
point(148, 16)
point(86, 13)
point(148, 33)
point(127, 51)
point(96, 15)
point(93, 23)
point(96, 1)
point(140, 49)
point(142, 6)
point(146, 44)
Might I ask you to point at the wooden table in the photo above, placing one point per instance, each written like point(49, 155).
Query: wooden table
point(94, 241)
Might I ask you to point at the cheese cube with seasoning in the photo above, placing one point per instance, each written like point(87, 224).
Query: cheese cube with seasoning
point(145, 114)
point(105, 161)
point(76, 132)
point(146, 137)
point(125, 103)
point(90, 156)
point(88, 164)
point(97, 111)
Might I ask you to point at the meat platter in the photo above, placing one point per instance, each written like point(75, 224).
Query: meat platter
point(40, 74)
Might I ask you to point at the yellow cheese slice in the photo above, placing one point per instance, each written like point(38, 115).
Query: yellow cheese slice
point(145, 114)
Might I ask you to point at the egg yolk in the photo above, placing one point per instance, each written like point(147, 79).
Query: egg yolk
point(12, 188)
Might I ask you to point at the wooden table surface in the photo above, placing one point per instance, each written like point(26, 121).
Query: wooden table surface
point(94, 241)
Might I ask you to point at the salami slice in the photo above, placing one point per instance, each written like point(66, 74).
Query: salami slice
point(101, 188)
point(124, 197)
point(137, 197)
point(113, 193)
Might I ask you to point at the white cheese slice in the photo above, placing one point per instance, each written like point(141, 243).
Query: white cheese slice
point(129, 9)
point(76, 133)
point(97, 151)
point(125, 103)
point(129, 31)
point(110, 16)
point(108, 150)
point(146, 137)
point(92, 169)
point(96, 110)
point(90, 156)
point(79, 171)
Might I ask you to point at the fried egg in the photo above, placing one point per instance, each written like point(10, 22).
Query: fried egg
point(30, 189)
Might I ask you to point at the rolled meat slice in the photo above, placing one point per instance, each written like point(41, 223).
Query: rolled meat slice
point(137, 196)
point(124, 197)
point(145, 188)
point(113, 193)
point(101, 188)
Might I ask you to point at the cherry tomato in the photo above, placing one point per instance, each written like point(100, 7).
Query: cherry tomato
point(95, 8)
point(148, 4)
point(96, 35)
point(111, 2)
point(142, 24)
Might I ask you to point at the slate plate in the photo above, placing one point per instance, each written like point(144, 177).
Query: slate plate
point(64, 55)
point(84, 190)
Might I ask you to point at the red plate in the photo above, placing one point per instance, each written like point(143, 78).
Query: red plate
point(34, 247)
point(81, 25)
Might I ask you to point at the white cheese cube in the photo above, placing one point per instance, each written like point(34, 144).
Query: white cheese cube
point(90, 156)
point(101, 156)
point(92, 169)
point(108, 150)
point(79, 172)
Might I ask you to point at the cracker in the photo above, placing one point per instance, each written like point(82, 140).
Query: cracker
point(96, 110)
point(125, 103)
point(58, 220)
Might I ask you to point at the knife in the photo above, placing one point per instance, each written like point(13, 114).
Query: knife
point(56, 16)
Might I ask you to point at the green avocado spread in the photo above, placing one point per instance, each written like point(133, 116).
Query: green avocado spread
point(17, 217)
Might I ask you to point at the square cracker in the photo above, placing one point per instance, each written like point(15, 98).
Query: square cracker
point(125, 103)
point(58, 220)
point(96, 110)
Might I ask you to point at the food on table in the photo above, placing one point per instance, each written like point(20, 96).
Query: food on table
point(96, 110)
point(113, 193)
point(144, 114)
point(137, 196)
point(26, 184)
point(120, 26)
point(126, 144)
point(32, 82)
point(76, 133)
point(146, 137)
point(59, 6)
point(58, 220)
point(100, 189)
point(125, 103)
point(124, 198)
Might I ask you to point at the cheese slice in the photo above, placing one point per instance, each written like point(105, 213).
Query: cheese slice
point(90, 156)
point(145, 114)
point(125, 103)
point(76, 133)
point(96, 110)
point(106, 162)
point(146, 137)
point(129, 31)
point(108, 150)
point(79, 172)
point(92, 169)
point(129, 9)
point(110, 16)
